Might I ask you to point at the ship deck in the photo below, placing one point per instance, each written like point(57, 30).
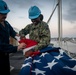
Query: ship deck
point(16, 60)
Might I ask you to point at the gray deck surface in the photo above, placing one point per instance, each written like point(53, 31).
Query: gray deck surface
point(16, 60)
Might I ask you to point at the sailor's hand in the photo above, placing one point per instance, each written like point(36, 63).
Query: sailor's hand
point(28, 53)
point(17, 35)
point(22, 37)
point(21, 46)
point(31, 53)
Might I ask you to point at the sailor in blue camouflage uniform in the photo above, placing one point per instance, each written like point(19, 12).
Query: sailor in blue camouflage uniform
point(6, 30)
point(38, 30)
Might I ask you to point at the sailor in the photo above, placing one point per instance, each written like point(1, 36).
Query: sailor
point(38, 30)
point(6, 30)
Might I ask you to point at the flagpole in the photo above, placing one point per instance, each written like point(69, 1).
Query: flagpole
point(60, 22)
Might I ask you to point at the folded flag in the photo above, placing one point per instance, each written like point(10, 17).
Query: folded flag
point(30, 44)
point(50, 61)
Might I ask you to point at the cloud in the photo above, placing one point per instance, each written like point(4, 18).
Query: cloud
point(68, 7)
point(70, 10)
point(20, 7)
point(18, 15)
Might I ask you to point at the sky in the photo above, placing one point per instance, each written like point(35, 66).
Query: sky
point(18, 15)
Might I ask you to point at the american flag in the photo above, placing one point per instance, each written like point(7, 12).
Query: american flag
point(49, 61)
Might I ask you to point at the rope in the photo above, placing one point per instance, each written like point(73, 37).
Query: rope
point(52, 13)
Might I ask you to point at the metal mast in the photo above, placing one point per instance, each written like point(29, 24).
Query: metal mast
point(60, 22)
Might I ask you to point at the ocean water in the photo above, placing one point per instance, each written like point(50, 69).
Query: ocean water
point(69, 46)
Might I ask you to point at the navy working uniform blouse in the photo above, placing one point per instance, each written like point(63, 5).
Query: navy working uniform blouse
point(5, 47)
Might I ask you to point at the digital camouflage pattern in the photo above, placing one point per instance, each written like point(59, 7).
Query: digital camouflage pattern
point(39, 33)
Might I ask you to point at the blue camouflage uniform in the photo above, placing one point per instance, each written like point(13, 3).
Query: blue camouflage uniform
point(5, 47)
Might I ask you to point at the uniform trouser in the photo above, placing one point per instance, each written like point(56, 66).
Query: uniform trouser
point(4, 65)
